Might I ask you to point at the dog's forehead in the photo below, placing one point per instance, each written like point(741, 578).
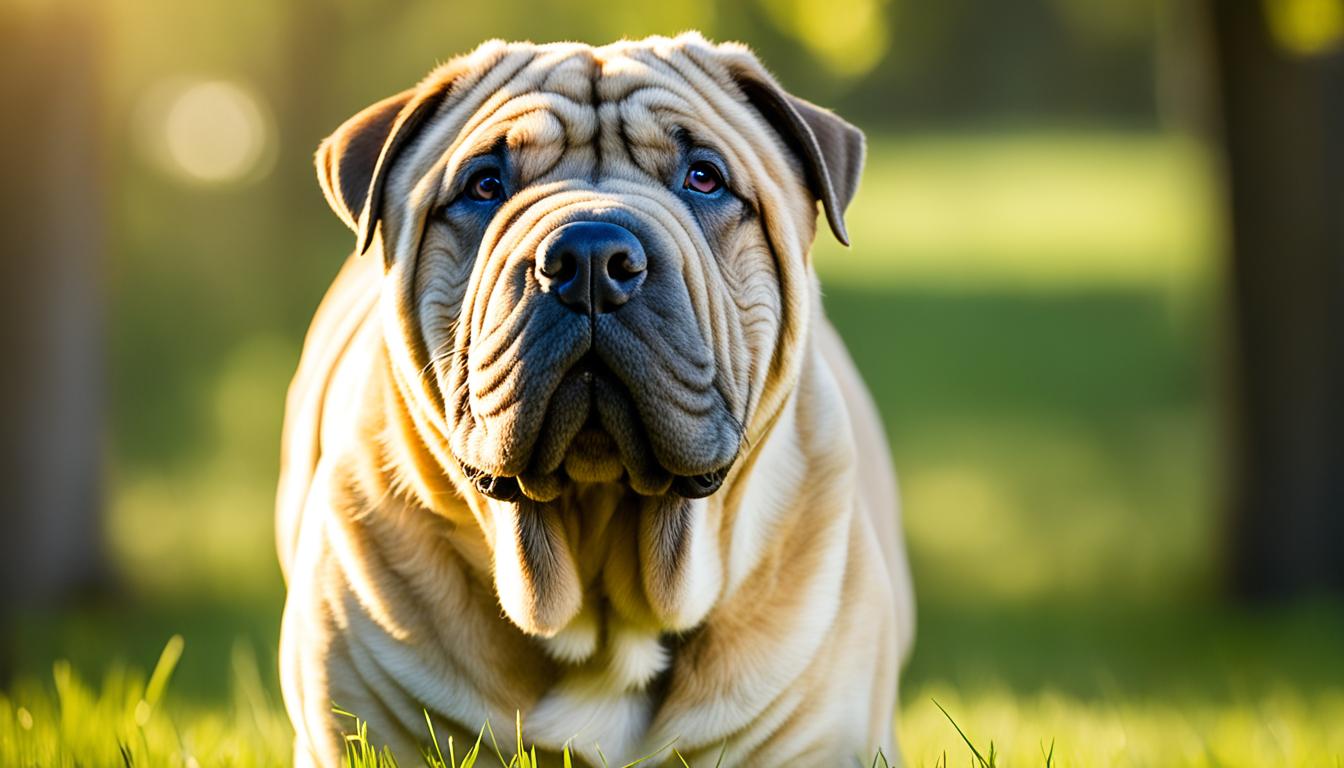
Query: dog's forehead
point(624, 106)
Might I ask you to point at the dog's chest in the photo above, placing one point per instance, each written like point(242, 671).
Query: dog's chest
point(611, 655)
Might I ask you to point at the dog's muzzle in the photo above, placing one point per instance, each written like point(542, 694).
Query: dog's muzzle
point(596, 371)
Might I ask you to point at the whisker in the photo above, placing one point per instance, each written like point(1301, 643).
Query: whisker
point(441, 355)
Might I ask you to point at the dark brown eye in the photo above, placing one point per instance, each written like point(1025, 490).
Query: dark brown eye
point(704, 178)
point(485, 186)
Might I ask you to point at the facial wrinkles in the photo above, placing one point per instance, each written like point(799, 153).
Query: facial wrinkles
point(446, 129)
point(544, 111)
point(485, 335)
point(700, 275)
point(523, 222)
point(533, 124)
point(750, 274)
point(481, 363)
point(442, 273)
point(789, 227)
point(647, 110)
point(403, 227)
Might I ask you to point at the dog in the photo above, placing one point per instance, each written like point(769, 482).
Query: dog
point(571, 440)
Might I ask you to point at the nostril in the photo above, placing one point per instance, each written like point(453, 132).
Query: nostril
point(624, 265)
point(566, 270)
point(618, 266)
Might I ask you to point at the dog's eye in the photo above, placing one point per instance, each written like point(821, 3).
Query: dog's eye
point(485, 186)
point(704, 178)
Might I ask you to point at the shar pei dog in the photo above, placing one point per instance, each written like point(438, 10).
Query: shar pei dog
point(571, 439)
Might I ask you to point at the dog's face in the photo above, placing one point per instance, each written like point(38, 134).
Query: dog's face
point(598, 256)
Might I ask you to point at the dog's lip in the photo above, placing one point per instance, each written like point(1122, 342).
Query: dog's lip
point(588, 367)
point(498, 487)
point(699, 486)
point(507, 487)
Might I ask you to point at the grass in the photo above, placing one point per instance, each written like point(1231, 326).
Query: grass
point(363, 752)
point(127, 720)
point(1059, 210)
point(1037, 316)
point(133, 720)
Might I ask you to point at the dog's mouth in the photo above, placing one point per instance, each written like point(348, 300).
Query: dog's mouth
point(504, 488)
point(610, 445)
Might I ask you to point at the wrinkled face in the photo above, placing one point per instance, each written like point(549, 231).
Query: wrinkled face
point(595, 303)
point(592, 278)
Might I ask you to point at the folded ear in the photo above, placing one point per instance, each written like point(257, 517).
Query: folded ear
point(830, 148)
point(352, 163)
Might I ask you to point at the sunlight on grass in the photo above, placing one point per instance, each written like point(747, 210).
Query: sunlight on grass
point(1030, 210)
point(1000, 509)
point(129, 722)
point(1285, 728)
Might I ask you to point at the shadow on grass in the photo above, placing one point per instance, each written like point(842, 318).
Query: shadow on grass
point(1102, 354)
point(111, 632)
point(1096, 652)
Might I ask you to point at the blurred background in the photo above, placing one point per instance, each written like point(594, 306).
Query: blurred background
point(1097, 287)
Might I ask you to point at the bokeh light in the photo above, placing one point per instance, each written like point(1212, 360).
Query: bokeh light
point(848, 37)
point(211, 131)
point(1306, 27)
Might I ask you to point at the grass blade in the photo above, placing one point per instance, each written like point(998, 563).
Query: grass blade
point(723, 750)
point(433, 740)
point(980, 759)
point(634, 763)
point(163, 670)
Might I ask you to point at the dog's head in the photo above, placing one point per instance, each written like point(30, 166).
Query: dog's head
point(596, 258)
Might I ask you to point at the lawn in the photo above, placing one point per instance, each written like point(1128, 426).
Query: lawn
point(1038, 316)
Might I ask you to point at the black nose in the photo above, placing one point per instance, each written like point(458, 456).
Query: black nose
point(591, 266)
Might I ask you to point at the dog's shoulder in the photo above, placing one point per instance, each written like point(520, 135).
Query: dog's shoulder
point(344, 312)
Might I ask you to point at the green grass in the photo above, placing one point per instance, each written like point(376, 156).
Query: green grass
point(362, 751)
point(1182, 684)
point(1033, 209)
point(127, 720)
point(1038, 319)
point(131, 720)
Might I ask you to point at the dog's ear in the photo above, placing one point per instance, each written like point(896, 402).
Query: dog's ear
point(352, 163)
point(831, 149)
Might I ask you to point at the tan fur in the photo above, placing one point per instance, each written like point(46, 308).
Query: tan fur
point(769, 619)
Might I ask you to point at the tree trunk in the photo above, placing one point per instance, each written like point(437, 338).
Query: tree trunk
point(51, 388)
point(1283, 138)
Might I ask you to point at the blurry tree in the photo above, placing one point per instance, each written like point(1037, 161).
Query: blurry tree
point(51, 391)
point(1281, 69)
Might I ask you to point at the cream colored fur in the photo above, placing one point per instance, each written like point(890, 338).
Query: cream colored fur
point(776, 633)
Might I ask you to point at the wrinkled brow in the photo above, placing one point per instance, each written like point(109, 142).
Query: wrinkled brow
point(559, 138)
